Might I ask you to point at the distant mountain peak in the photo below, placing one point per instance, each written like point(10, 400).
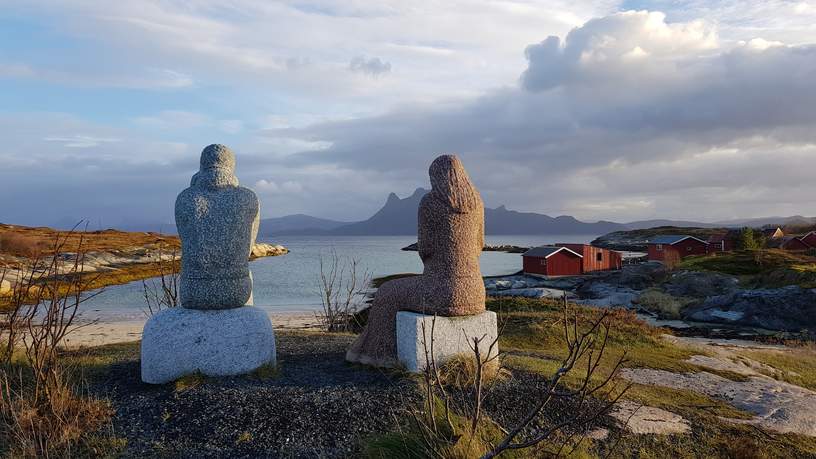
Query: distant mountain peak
point(392, 197)
point(502, 208)
point(419, 192)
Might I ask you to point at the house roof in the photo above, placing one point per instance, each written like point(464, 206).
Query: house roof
point(546, 251)
point(672, 239)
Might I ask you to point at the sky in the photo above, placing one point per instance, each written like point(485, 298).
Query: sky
point(622, 111)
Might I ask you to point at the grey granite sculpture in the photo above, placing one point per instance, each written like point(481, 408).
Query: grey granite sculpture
point(217, 222)
point(215, 332)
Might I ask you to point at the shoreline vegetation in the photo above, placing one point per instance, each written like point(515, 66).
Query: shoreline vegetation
point(113, 257)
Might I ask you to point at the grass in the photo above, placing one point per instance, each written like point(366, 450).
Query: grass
point(759, 268)
point(796, 366)
point(92, 241)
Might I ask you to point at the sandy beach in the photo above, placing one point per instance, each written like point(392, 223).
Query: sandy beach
point(102, 331)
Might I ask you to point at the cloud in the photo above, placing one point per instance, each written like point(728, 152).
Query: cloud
point(372, 67)
point(81, 141)
point(264, 186)
point(622, 100)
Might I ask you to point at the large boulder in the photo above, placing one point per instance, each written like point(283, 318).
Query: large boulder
point(789, 308)
point(701, 284)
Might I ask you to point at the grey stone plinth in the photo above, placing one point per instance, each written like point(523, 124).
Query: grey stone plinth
point(180, 341)
point(451, 336)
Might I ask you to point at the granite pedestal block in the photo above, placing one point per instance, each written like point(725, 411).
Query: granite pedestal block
point(180, 341)
point(452, 336)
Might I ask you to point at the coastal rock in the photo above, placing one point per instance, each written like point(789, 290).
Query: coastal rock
point(503, 284)
point(518, 284)
point(262, 249)
point(535, 292)
point(180, 341)
point(789, 308)
point(700, 284)
point(217, 222)
point(601, 294)
point(5, 287)
point(641, 419)
point(450, 241)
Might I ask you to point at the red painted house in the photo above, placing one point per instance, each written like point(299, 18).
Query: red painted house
point(595, 258)
point(552, 261)
point(809, 238)
point(794, 244)
point(671, 247)
point(720, 243)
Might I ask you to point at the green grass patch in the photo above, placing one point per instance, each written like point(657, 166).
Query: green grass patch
point(189, 381)
point(759, 268)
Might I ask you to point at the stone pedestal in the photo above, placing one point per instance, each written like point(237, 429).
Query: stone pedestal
point(180, 341)
point(451, 337)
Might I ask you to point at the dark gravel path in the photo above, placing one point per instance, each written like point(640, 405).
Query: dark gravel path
point(316, 406)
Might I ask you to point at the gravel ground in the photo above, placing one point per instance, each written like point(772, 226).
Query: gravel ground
point(316, 406)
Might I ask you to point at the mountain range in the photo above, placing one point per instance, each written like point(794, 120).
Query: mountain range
point(398, 217)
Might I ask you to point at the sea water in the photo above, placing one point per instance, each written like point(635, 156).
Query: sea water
point(289, 283)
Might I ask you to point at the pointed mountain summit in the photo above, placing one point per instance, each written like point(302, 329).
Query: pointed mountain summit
point(396, 217)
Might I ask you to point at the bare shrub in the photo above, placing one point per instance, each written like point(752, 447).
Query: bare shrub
point(342, 285)
point(161, 292)
point(451, 427)
point(41, 412)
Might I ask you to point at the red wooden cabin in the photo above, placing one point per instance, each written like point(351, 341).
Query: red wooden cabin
point(681, 246)
point(552, 261)
point(794, 244)
point(595, 258)
point(720, 243)
point(809, 238)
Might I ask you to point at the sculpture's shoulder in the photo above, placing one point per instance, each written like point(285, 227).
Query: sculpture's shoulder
point(247, 196)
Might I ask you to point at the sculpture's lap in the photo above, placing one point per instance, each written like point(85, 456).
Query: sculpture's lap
point(215, 292)
point(377, 344)
point(180, 341)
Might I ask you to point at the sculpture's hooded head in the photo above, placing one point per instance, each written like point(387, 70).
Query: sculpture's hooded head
point(450, 184)
point(217, 168)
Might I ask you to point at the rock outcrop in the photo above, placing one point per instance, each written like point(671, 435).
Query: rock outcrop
point(789, 308)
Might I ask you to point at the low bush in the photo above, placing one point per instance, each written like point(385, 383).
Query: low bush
point(665, 305)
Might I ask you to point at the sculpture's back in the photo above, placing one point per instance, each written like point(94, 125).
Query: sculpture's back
point(215, 332)
point(216, 221)
point(450, 241)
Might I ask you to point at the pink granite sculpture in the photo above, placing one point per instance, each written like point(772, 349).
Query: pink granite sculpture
point(450, 240)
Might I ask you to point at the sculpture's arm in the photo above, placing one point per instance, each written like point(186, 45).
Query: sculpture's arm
point(481, 229)
point(424, 242)
point(256, 222)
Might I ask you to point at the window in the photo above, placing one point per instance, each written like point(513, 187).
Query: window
point(659, 246)
point(543, 262)
point(599, 256)
point(688, 249)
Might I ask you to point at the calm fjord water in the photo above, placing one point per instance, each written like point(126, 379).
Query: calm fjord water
point(289, 283)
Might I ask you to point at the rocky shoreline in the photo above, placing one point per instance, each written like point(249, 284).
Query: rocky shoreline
point(114, 266)
point(704, 298)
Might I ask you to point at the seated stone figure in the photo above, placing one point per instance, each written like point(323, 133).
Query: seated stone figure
point(450, 240)
point(213, 332)
point(217, 222)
